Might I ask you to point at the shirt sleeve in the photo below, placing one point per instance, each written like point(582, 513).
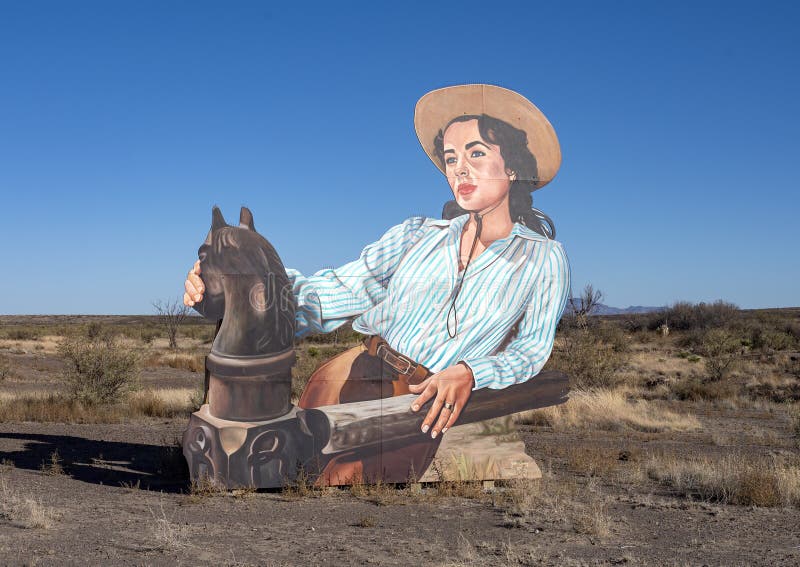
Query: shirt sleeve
point(527, 353)
point(333, 296)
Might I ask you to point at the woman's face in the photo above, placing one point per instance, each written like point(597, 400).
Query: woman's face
point(474, 167)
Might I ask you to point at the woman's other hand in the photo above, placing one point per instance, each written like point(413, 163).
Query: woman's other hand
point(194, 286)
point(452, 388)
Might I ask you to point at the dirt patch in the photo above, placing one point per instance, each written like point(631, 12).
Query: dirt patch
point(122, 497)
point(118, 494)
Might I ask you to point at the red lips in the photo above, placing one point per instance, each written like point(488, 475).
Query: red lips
point(466, 188)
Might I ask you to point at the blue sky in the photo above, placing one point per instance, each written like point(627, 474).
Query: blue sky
point(123, 123)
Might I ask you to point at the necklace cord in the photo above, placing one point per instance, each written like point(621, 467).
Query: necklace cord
point(479, 221)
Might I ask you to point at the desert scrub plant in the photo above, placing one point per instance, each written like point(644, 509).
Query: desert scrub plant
point(99, 371)
point(591, 356)
point(695, 389)
point(685, 316)
point(171, 315)
point(94, 330)
point(5, 368)
point(770, 339)
point(722, 351)
point(147, 336)
point(53, 466)
point(23, 334)
point(198, 331)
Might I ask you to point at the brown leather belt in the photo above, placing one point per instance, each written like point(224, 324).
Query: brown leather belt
point(404, 366)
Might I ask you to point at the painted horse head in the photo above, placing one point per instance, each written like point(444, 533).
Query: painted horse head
point(247, 287)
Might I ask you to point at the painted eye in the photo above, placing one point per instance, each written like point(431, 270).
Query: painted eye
point(477, 153)
point(450, 160)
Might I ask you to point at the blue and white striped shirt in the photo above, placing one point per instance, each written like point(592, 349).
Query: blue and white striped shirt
point(401, 288)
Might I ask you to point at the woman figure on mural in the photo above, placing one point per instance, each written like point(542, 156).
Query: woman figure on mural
point(470, 301)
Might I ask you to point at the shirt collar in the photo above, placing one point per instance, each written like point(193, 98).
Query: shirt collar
point(458, 223)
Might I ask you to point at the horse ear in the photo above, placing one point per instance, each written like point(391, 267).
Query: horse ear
point(217, 220)
point(246, 219)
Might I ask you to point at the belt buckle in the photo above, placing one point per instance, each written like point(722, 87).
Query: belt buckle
point(392, 359)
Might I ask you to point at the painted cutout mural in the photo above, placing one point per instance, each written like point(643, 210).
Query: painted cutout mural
point(458, 316)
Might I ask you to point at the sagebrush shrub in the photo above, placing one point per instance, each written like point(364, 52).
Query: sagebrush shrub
point(722, 351)
point(590, 356)
point(685, 316)
point(99, 370)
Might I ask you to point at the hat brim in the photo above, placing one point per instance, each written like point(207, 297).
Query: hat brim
point(437, 108)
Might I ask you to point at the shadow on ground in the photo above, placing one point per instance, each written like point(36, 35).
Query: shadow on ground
point(135, 465)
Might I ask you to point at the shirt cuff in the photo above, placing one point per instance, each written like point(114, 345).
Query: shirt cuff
point(482, 371)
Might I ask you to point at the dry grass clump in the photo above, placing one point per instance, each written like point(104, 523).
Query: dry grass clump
point(192, 361)
point(377, 492)
point(168, 402)
point(367, 522)
point(53, 466)
point(56, 408)
point(167, 534)
point(205, 487)
point(610, 410)
point(24, 511)
point(732, 479)
point(244, 492)
point(60, 408)
point(592, 460)
point(578, 507)
point(301, 486)
point(464, 468)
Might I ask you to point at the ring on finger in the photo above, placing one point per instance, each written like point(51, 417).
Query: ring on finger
point(449, 406)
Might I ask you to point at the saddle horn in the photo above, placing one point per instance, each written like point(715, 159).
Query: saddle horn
point(246, 219)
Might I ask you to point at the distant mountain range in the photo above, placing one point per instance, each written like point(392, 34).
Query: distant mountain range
point(602, 309)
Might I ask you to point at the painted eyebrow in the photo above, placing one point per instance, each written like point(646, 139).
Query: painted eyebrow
point(468, 146)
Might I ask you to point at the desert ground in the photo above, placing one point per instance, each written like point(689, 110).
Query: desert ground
point(679, 446)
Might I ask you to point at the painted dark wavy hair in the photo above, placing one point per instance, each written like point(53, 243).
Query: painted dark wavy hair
point(513, 144)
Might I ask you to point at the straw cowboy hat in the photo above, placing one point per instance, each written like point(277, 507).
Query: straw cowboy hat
point(437, 108)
